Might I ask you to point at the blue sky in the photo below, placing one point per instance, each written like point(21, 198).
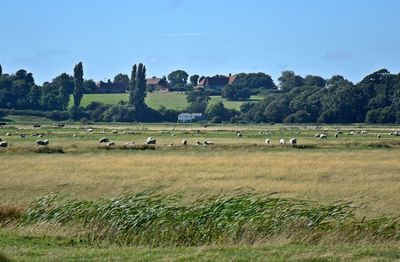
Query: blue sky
point(207, 37)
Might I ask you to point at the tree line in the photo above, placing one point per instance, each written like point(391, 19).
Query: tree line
point(295, 99)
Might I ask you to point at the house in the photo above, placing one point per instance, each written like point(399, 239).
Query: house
point(190, 117)
point(109, 87)
point(157, 84)
point(217, 82)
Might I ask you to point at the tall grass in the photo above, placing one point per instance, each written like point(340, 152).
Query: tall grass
point(158, 219)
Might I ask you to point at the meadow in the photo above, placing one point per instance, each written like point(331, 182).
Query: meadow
point(176, 101)
point(239, 199)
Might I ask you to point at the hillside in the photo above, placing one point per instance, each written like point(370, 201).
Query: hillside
point(175, 101)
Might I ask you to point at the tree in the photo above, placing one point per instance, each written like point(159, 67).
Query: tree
point(216, 110)
point(256, 82)
point(89, 86)
point(311, 80)
point(1, 70)
point(178, 78)
point(78, 84)
point(132, 86)
point(289, 80)
point(121, 78)
point(198, 100)
point(236, 92)
point(194, 80)
point(140, 88)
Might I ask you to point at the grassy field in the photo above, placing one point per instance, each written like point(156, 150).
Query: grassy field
point(175, 101)
point(358, 169)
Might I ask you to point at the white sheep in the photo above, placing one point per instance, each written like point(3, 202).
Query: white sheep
point(267, 141)
point(282, 141)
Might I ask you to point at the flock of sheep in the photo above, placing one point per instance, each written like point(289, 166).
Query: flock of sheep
point(152, 141)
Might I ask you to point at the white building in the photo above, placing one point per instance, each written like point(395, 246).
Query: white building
point(190, 117)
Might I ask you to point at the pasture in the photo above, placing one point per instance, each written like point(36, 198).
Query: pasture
point(176, 101)
point(344, 185)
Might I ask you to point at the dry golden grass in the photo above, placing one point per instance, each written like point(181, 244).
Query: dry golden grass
point(371, 177)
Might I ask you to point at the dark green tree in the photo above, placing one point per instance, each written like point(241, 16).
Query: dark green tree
point(1, 70)
point(194, 80)
point(289, 80)
point(121, 78)
point(78, 84)
point(178, 78)
point(132, 86)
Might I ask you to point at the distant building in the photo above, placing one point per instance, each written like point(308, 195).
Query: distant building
point(216, 82)
point(190, 117)
point(109, 87)
point(157, 84)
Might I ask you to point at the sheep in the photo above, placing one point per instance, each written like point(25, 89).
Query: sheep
point(90, 130)
point(184, 142)
point(336, 135)
point(22, 135)
point(42, 142)
point(74, 135)
point(282, 141)
point(316, 135)
point(8, 134)
point(239, 134)
point(171, 144)
point(363, 132)
point(267, 141)
point(131, 143)
point(110, 144)
point(172, 134)
point(104, 140)
point(151, 141)
point(293, 141)
point(198, 143)
point(114, 132)
point(3, 144)
point(40, 135)
point(323, 136)
point(208, 143)
point(378, 136)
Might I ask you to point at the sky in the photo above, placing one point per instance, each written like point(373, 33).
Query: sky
point(206, 37)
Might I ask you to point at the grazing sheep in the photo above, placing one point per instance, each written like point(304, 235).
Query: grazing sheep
point(114, 132)
point(317, 135)
point(282, 141)
point(363, 132)
point(184, 142)
point(42, 142)
point(40, 135)
point(378, 136)
point(73, 135)
point(351, 133)
point(239, 134)
point(89, 130)
point(36, 126)
point(293, 141)
point(260, 133)
point(198, 143)
point(336, 135)
point(267, 141)
point(22, 135)
point(171, 144)
point(110, 144)
point(129, 144)
point(104, 140)
point(395, 133)
point(208, 143)
point(3, 144)
point(35, 134)
point(8, 134)
point(323, 136)
point(151, 141)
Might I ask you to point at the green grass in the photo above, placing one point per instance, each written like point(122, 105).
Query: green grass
point(175, 101)
point(21, 247)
